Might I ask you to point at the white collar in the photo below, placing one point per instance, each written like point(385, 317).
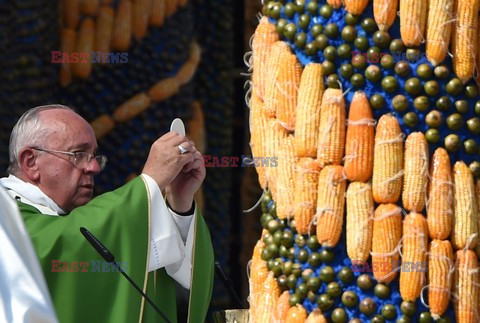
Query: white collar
point(31, 195)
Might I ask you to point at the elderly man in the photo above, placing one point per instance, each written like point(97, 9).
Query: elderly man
point(157, 240)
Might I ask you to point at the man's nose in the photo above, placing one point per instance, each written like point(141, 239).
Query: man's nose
point(93, 167)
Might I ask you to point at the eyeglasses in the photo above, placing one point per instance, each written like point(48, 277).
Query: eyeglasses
point(80, 158)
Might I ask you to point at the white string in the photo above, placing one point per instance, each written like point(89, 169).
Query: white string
point(256, 204)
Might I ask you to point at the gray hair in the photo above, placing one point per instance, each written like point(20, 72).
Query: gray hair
point(28, 131)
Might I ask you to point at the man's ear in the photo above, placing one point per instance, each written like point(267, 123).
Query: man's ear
point(28, 164)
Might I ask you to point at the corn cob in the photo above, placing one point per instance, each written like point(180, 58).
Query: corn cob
point(258, 126)
point(439, 30)
point(274, 137)
point(102, 125)
point(355, 7)
point(270, 97)
point(387, 232)
point(415, 180)
point(157, 13)
point(387, 161)
point(283, 305)
point(414, 250)
point(267, 302)
point(132, 107)
point(440, 196)
point(330, 205)
point(331, 137)
point(335, 3)
point(85, 46)
point(68, 42)
point(296, 314)
point(288, 81)
point(122, 26)
point(477, 193)
point(285, 178)
point(360, 208)
point(171, 7)
point(196, 127)
point(440, 263)
point(186, 72)
point(385, 12)
point(163, 89)
point(307, 120)
point(305, 195)
point(103, 33)
point(140, 13)
point(182, 3)
point(263, 39)
point(89, 7)
point(466, 287)
point(413, 18)
point(465, 224)
point(316, 316)
point(258, 276)
point(360, 140)
point(464, 40)
point(71, 13)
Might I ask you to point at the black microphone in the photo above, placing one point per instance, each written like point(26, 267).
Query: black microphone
point(108, 256)
point(227, 283)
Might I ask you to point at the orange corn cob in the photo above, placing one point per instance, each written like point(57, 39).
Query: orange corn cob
point(385, 12)
point(316, 316)
point(466, 287)
point(132, 107)
point(68, 42)
point(140, 13)
point(102, 125)
point(71, 13)
point(335, 3)
point(287, 83)
point(267, 302)
point(157, 13)
point(440, 262)
point(258, 276)
point(283, 305)
point(274, 137)
point(285, 178)
point(360, 208)
point(171, 7)
point(122, 26)
point(163, 89)
point(103, 33)
point(387, 232)
point(86, 37)
point(258, 136)
point(296, 314)
point(89, 7)
point(186, 72)
point(413, 18)
point(330, 205)
point(387, 161)
point(270, 97)
point(360, 140)
point(439, 30)
point(440, 196)
point(331, 137)
point(305, 195)
point(414, 251)
point(465, 224)
point(355, 7)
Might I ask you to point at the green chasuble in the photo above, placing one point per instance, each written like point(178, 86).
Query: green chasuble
point(85, 288)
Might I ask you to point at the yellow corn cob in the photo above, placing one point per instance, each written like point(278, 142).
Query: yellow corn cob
point(385, 12)
point(196, 127)
point(288, 81)
point(414, 251)
point(140, 13)
point(157, 13)
point(68, 42)
point(270, 97)
point(296, 314)
point(305, 195)
point(274, 137)
point(387, 161)
point(465, 223)
point(440, 262)
point(258, 124)
point(440, 196)
point(285, 178)
point(163, 89)
point(89, 7)
point(264, 37)
point(182, 3)
point(466, 287)
point(331, 136)
point(439, 30)
point(122, 26)
point(413, 18)
point(283, 305)
point(102, 125)
point(103, 33)
point(267, 302)
point(132, 107)
point(355, 7)
point(258, 275)
point(335, 3)
point(387, 232)
point(464, 40)
point(86, 37)
point(307, 120)
point(171, 7)
point(330, 205)
point(316, 316)
point(186, 72)
point(415, 180)
point(71, 13)
point(360, 140)
point(477, 193)
point(360, 208)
